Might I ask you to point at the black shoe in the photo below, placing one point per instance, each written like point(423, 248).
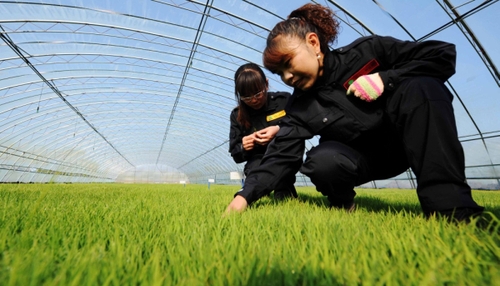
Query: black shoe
point(346, 202)
point(462, 214)
point(347, 206)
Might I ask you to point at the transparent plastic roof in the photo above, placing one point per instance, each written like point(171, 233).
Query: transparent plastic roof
point(129, 91)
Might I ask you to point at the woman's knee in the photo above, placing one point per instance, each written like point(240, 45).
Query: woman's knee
point(424, 89)
point(331, 159)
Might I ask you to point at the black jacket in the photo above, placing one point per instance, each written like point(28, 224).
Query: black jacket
point(327, 111)
point(269, 115)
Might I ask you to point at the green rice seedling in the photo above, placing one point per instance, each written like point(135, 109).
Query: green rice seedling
point(119, 234)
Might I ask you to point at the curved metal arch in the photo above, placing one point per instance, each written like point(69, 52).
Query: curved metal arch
point(122, 77)
point(179, 160)
point(90, 170)
point(64, 130)
point(222, 166)
point(71, 126)
point(222, 11)
point(19, 120)
point(87, 166)
point(338, 6)
point(192, 116)
point(94, 76)
point(33, 178)
point(154, 20)
point(86, 103)
point(24, 119)
point(200, 148)
point(106, 165)
point(43, 177)
point(178, 154)
point(141, 32)
point(56, 134)
point(207, 168)
point(112, 90)
point(194, 98)
point(118, 37)
point(54, 166)
point(48, 146)
point(33, 98)
point(16, 49)
point(208, 171)
point(115, 56)
point(196, 109)
point(97, 173)
point(27, 155)
point(125, 48)
point(93, 163)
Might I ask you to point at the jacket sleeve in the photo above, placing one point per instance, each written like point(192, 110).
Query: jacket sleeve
point(283, 159)
point(235, 139)
point(404, 59)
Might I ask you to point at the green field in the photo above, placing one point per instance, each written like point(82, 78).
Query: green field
point(112, 234)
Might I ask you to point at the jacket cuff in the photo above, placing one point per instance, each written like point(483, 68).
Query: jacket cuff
point(247, 194)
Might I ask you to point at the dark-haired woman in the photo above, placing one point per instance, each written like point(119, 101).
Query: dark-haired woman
point(379, 105)
point(255, 122)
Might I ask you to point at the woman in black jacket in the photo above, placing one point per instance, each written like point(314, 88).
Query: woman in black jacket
point(379, 105)
point(254, 122)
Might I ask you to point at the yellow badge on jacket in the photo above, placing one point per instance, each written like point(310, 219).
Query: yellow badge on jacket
point(276, 115)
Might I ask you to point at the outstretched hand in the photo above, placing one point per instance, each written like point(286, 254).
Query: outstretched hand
point(367, 87)
point(238, 204)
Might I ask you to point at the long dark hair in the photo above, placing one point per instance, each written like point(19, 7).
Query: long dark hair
point(249, 79)
point(313, 18)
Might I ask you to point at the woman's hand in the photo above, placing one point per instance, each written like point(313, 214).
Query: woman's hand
point(238, 204)
point(367, 87)
point(264, 136)
point(248, 142)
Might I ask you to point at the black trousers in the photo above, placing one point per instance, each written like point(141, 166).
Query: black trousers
point(285, 187)
point(419, 132)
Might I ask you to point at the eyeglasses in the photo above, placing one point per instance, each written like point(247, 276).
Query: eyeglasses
point(258, 95)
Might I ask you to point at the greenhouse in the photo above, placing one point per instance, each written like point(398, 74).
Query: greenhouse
point(117, 139)
point(141, 91)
